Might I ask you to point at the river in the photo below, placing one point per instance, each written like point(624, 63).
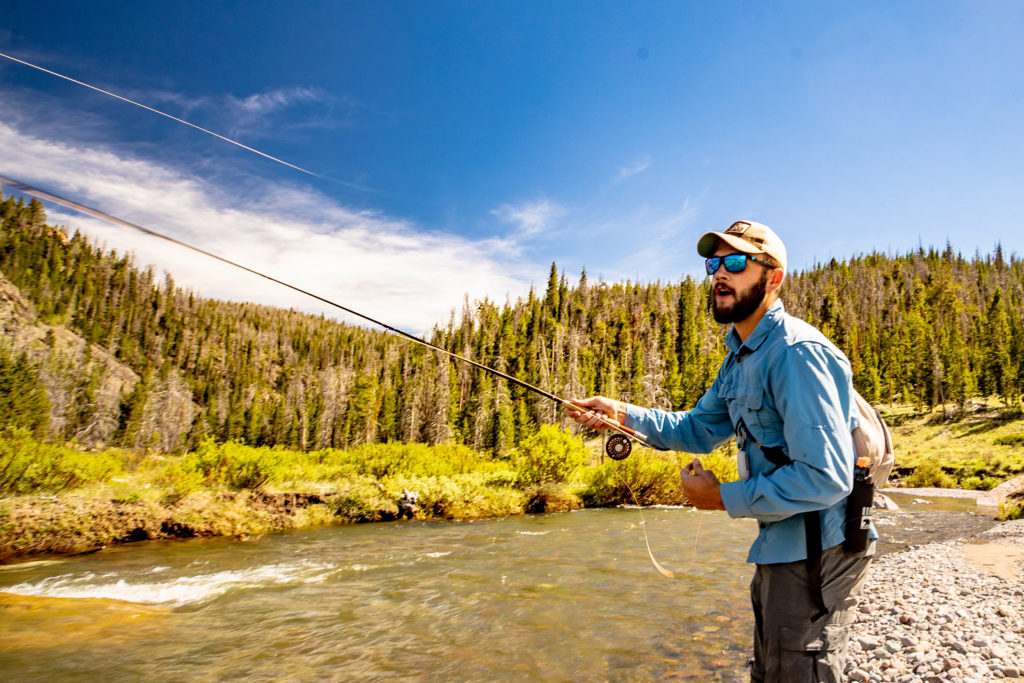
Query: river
point(559, 597)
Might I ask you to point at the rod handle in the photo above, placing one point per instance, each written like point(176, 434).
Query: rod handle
point(611, 422)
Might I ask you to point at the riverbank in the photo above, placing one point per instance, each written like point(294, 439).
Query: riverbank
point(64, 501)
point(32, 526)
point(951, 611)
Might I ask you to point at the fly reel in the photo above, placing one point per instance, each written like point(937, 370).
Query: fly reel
point(618, 446)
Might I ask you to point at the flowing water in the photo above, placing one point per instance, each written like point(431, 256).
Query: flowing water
point(568, 596)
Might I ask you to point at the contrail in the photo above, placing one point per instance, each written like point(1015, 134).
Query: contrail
point(157, 111)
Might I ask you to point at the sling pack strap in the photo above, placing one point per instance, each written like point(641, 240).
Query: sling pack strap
point(812, 525)
point(812, 528)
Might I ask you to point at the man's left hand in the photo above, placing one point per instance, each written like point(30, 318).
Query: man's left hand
point(701, 487)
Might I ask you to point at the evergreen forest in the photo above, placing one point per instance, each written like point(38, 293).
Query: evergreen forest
point(99, 351)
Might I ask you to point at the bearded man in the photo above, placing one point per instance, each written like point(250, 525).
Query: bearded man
point(784, 392)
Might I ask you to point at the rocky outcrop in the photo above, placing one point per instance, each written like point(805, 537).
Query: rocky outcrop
point(1011, 488)
point(65, 363)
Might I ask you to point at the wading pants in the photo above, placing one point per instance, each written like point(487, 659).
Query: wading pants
point(788, 646)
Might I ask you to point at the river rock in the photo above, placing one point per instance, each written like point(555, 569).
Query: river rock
point(927, 613)
point(868, 642)
point(884, 502)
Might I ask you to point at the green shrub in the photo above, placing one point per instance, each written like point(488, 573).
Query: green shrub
point(1010, 440)
point(380, 460)
point(652, 478)
point(980, 483)
point(550, 455)
point(360, 499)
point(550, 497)
point(1011, 509)
point(234, 465)
point(179, 480)
point(971, 483)
point(28, 466)
point(929, 474)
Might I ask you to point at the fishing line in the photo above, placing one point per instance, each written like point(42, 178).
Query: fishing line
point(667, 573)
point(157, 111)
point(618, 445)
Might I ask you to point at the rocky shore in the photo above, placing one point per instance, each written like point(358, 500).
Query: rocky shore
point(951, 611)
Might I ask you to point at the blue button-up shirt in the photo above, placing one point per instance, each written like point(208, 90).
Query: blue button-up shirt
point(792, 388)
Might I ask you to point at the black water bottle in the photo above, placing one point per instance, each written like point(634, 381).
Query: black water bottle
point(858, 508)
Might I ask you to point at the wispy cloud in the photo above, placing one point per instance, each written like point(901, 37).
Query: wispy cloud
point(531, 218)
point(388, 268)
point(637, 167)
point(292, 108)
point(667, 244)
point(265, 102)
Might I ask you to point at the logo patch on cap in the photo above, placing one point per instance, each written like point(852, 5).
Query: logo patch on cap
point(738, 228)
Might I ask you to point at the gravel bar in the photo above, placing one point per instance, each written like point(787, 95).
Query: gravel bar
point(933, 613)
point(936, 493)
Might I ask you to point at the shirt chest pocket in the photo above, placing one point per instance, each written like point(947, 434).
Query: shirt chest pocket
point(744, 401)
point(749, 397)
point(750, 404)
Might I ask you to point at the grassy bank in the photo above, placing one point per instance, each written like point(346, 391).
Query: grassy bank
point(59, 499)
point(976, 448)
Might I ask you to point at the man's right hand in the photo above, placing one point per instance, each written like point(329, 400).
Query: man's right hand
point(608, 407)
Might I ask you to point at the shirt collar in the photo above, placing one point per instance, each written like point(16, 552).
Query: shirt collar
point(772, 317)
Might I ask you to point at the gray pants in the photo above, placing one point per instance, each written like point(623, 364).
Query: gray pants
point(788, 646)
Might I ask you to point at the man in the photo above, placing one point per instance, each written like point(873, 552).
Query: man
point(785, 393)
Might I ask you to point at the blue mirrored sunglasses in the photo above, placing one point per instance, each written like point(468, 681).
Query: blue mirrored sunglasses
point(734, 263)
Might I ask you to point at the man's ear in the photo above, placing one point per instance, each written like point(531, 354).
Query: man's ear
point(776, 280)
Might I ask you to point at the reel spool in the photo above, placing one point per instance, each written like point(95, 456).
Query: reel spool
point(618, 446)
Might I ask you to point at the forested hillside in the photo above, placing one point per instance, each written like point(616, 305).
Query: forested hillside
point(924, 328)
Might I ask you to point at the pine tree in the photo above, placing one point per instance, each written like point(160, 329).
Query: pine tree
point(23, 400)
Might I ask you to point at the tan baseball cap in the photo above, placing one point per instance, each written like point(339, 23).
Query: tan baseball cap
point(746, 237)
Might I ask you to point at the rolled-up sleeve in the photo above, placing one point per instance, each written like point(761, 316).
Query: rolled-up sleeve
point(811, 386)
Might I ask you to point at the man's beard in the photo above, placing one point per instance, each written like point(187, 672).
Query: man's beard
point(745, 304)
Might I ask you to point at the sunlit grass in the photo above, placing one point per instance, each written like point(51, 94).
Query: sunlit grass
point(972, 449)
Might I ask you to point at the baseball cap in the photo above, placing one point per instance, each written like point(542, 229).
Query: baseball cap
point(747, 237)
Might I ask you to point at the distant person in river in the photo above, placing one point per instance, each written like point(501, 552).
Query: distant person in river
point(407, 504)
point(784, 392)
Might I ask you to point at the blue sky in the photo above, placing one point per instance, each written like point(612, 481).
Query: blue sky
point(461, 147)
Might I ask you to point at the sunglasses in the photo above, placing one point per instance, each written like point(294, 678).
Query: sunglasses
point(734, 263)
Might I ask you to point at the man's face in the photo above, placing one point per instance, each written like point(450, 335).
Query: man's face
point(735, 296)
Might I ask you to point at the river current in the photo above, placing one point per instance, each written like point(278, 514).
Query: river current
point(559, 597)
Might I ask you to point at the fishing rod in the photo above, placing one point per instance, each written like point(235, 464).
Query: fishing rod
point(618, 446)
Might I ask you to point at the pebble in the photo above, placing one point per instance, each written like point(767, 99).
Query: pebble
point(929, 614)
